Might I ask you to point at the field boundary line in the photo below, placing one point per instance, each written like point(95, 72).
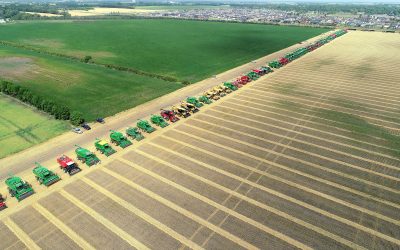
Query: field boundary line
point(323, 212)
point(316, 155)
point(20, 234)
point(299, 132)
point(303, 161)
point(167, 230)
point(218, 206)
point(181, 210)
point(62, 227)
point(329, 197)
point(290, 170)
point(100, 218)
point(291, 218)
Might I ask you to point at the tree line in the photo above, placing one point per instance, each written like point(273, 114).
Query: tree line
point(59, 111)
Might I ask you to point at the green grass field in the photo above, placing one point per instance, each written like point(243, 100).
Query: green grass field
point(21, 126)
point(187, 50)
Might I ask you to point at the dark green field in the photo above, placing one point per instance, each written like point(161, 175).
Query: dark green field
point(185, 50)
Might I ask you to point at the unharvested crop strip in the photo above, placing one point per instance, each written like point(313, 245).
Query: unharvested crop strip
point(313, 208)
point(142, 214)
point(217, 205)
point(181, 210)
point(62, 227)
point(247, 199)
point(21, 235)
point(98, 217)
point(316, 155)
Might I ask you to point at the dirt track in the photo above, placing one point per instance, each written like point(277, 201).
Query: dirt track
point(265, 167)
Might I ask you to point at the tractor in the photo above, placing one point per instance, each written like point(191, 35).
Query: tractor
point(145, 126)
point(169, 115)
point(204, 99)
point(193, 100)
point(189, 107)
point(19, 188)
point(45, 176)
point(103, 147)
point(2, 204)
point(211, 94)
point(68, 165)
point(134, 133)
point(180, 111)
point(119, 139)
point(85, 156)
point(158, 121)
point(230, 86)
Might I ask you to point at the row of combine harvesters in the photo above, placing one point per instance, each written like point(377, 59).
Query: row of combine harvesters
point(21, 189)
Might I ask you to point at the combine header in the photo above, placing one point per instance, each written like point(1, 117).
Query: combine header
point(19, 188)
point(169, 115)
point(68, 165)
point(181, 112)
point(158, 121)
point(45, 176)
point(119, 139)
point(194, 101)
point(103, 147)
point(2, 204)
point(145, 126)
point(134, 133)
point(85, 156)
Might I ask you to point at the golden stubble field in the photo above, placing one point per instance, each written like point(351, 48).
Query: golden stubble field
point(305, 157)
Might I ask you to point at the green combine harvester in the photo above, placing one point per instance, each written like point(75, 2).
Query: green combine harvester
point(159, 121)
point(119, 139)
point(103, 147)
point(85, 156)
point(230, 86)
point(45, 176)
point(134, 133)
point(19, 188)
point(253, 75)
point(204, 99)
point(274, 64)
point(193, 100)
point(145, 126)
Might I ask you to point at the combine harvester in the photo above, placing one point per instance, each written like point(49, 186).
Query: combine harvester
point(134, 133)
point(119, 139)
point(158, 121)
point(2, 203)
point(19, 188)
point(45, 176)
point(230, 86)
point(253, 75)
point(189, 107)
point(68, 165)
point(85, 156)
point(169, 115)
point(103, 147)
point(204, 99)
point(145, 126)
point(180, 111)
point(212, 95)
point(193, 100)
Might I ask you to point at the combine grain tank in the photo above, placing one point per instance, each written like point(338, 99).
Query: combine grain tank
point(85, 156)
point(119, 139)
point(19, 188)
point(45, 176)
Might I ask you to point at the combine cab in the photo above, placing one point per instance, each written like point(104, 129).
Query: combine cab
point(159, 121)
point(119, 139)
point(103, 147)
point(45, 176)
point(193, 100)
point(134, 133)
point(145, 126)
point(204, 99)
point(19, 188)
point(169, 115)
point(230, 86)
point(85, 156)
point(189, 107)
point(2, 204)
point(180, 112)
point(68, 165)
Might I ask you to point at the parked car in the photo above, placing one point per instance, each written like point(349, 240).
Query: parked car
point(86, 126)
point(77, 130)
point(100, 120)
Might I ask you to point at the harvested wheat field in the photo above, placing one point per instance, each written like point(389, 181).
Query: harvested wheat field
point(306, 157)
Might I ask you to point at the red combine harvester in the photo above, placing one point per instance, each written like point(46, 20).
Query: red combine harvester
point(169, 115)
point(259, 72)
point(68, 165)
point(237, 84)
point(2, 204)
point(244, 79)
point(283, 61)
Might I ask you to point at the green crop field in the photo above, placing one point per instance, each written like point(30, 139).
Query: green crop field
point(187, 50)
point(22, 127)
